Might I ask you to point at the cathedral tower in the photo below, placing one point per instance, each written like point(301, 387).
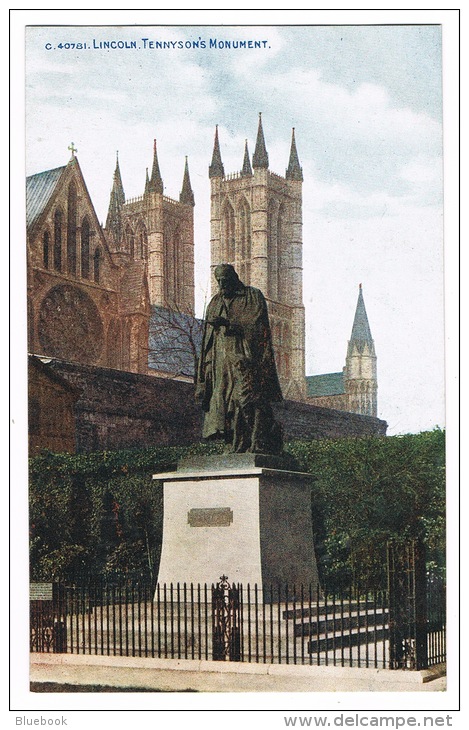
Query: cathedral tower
point(256, 225)
point(158, 231)
point(360, 373)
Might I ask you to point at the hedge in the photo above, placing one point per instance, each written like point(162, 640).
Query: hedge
point(102, 512)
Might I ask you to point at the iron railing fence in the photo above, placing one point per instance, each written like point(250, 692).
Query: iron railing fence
point(436, 620)
point(280, 624)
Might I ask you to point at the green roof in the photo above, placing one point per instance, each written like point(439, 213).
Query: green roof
point(326, 384)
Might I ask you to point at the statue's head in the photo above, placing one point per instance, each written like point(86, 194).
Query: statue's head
point(227, 279)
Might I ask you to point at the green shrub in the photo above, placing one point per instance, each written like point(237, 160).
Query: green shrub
point(102, 512)
point(371, 490)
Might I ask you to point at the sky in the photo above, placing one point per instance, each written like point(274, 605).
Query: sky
point(366, 105)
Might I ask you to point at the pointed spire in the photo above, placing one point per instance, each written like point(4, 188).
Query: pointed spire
point(117, 182)
point(361, 333)
point(186, 195)
point(156, 182)
point(216, 168)
point(260, 158)
point(294, 171)
point(247, 169)
point(116, 201)
point(147, 182)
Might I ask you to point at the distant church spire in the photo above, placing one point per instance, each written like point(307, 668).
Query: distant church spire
point(246, 169)
point(156, 182)
point(260, 158)
point(186, 195)
point(216, 168)
point(361, 333)
point(116, 201)
point(294, 171)
point(117, 187)
point(360, 374)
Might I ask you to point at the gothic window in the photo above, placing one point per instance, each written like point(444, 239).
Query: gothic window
point(168, 264)
point(176, 262)
point(69, 325)
point(143, 242)
point(275, 216)
point(244, 254)
point(367, 410)
point(126, 346)
point(97, 265)
point(171, 265)
point(85, 249)
point(58, 221)
point(278, 274)
point(143, 347)
point(276, 329)
point(228, 233)
point(72, 229)
point(129, 234)
point(45, 249)
point(114, 345)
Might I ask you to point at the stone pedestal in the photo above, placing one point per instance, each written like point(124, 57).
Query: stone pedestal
point(245, 516)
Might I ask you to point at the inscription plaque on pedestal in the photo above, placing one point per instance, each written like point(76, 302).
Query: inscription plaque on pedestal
point(210, 517)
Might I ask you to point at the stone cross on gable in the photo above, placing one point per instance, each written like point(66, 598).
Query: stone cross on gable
point(72, 148)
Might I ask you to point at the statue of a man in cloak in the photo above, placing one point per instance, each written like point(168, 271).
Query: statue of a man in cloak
point(237, 378)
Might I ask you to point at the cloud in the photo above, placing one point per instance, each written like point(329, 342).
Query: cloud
point(355, 136)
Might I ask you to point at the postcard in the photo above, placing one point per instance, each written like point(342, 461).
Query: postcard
point(235, 234)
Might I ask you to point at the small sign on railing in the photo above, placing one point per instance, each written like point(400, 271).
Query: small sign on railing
point(40, 592)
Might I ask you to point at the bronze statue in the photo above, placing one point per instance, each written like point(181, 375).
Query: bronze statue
point(237, 379)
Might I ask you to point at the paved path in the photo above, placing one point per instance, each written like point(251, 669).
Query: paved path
point(203, 676)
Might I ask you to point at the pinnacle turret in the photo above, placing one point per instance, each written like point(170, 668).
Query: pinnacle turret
point(260, 158)
point(246, 169)
point(361, 333)
point(117, 187)
point(186, 195)
point(116, 201)
point(155, 184)
point(294, 171)
point(216, 168)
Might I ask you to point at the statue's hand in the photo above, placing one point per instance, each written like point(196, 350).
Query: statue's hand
point(218, 322)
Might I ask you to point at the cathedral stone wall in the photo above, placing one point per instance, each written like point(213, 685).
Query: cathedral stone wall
point(118, 410)
point(302, 421)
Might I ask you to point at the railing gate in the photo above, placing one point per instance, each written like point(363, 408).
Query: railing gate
point(407, 606)
point(226, 633)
